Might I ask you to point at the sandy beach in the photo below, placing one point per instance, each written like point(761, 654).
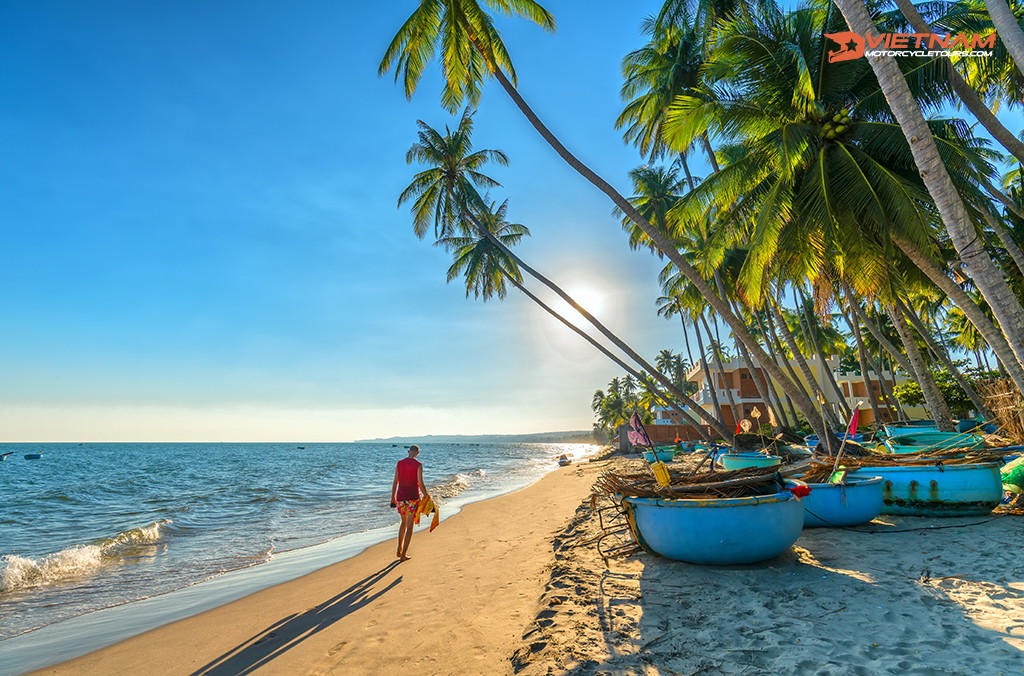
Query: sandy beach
point(515, 585)
point(459, 606)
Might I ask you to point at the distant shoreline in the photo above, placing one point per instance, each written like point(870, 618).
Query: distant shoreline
point(571, 437)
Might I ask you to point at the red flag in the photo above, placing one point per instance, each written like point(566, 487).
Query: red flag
point(739, 427)
point(853, 420)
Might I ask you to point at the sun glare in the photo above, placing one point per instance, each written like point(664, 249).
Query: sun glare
point(590, 298)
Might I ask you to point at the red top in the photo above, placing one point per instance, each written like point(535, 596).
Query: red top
point(408, 480)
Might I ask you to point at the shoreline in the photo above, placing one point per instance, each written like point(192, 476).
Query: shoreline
point(371, 580)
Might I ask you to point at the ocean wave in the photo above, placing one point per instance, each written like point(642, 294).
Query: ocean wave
point(22, 572)
point(456, 484)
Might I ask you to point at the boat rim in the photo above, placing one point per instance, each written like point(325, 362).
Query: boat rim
point(781, 496)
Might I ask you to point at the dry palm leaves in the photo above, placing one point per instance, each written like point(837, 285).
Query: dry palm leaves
point(820, 472)
point(737, 483)
point(1004, 400)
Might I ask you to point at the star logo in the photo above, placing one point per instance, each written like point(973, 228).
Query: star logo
point(851, 46)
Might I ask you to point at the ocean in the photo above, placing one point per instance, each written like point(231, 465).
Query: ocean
point(92, 526)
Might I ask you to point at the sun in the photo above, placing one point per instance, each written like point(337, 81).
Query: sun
point(593, 300)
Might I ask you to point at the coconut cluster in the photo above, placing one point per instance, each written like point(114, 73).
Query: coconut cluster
point(838, 126)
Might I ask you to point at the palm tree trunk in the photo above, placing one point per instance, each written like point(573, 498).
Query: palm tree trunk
point(887, 389)
point(879, 337)
point(686, 340)
point(771, 351)
point(780, 354)
point(933, 398)
point(663, 244)
point(763, 390)
point(706, 142)
point(1005, 239)
point(862, 358)
point(993, 336)
point(641, 379)
point(1008, 29)
point(802, 364)
point(943, 357)
point(986, 275)
point(716, 353)
point(686, 170)
point(825, 368)
point(967, 94)
point(618, 342)
point(712, 384)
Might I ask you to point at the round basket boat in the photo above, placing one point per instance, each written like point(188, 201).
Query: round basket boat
point(721, 532)
point(858, 500)
point(659, 456)
point(938, 490)
point(913, 442)
point(732, 461)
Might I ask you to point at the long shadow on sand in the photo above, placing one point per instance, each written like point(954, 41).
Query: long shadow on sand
point(289, 631)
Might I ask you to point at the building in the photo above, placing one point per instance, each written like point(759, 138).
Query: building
point(739, 398)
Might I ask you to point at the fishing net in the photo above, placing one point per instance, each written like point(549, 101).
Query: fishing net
point(739, 483)
point(821, 472)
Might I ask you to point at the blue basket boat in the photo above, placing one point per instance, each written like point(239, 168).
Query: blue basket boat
point(659, 456)
point(858, 500)
point(938, 490)
point(731, 461)
point(720, 532)
point(908, 426)
point(977, 426)
point(932, 441)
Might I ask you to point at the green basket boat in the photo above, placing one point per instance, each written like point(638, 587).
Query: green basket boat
point(932, 441)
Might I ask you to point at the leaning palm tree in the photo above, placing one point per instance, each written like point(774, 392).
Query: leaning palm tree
point(462, 35)
point(488, 269)
point(446, 194)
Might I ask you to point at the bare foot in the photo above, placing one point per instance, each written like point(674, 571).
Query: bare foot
point(404, 558)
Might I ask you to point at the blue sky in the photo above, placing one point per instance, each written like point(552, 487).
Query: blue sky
point(202, 242)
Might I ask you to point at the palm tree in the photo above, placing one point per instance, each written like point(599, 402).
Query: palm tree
point(485, 263)
point(653, 76)
point(440, 193)
point(462, 35)
point(447, 194)
point(954, 213)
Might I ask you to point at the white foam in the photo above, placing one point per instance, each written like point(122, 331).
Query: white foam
point(22, 572)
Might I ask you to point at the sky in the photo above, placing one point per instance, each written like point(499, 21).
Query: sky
point(201, 240)
point(202, 243)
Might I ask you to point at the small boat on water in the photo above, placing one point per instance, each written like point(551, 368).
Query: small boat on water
point(33, 456)
point(938, 490)
point(722, 531)
point(913, 442)
point(564, 460)
point(3, 456)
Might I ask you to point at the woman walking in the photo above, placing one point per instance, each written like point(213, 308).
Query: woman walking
point(406, 492)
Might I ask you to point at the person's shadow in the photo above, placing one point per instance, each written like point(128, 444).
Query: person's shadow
point(292, 630)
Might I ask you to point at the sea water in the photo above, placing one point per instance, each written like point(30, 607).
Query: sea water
point(91, 526)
